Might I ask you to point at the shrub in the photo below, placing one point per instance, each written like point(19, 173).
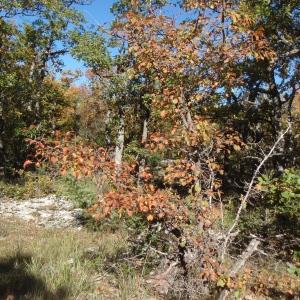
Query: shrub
point(81, 192)
point(29, 185)
point(275, 214)
point(282, 194)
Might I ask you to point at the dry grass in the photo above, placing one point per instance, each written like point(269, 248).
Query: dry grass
point(41, 264)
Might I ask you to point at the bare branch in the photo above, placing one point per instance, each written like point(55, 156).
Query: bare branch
point(249, 190)
point(239, 264)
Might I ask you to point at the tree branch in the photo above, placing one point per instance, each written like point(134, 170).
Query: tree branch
point(239, 264)
point(249, 190)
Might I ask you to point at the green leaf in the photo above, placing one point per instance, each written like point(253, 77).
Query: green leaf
point(237, 294)
point(197, 187)
point(221, 282)
point(286, 194)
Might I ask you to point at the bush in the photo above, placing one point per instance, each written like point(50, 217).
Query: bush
point(282, 194)
point(82, 192)
point(275, 214)
point(28, 185)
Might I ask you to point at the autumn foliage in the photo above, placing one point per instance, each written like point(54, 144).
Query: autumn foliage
point(192, 127)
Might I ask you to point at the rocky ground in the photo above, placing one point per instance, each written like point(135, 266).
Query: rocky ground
point(49, 212)
point(46, 252)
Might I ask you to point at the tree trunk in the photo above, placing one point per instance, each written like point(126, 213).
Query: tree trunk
point(239, 264)
point(186, 114)
point(2, 157)
point(120, 146)
point(2, 153)
point(145, 131)
point(106, 130)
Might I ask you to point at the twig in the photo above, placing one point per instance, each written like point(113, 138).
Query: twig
point(239, 264)
point(159, 252)
point(249, 190)
point(146, 258)
point(221, 209)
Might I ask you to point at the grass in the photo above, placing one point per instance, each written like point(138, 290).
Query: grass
point(42, 264)
point(37, 263)
point(131, 286)
point(29, 185)
point(82, 193)
point(102, 261)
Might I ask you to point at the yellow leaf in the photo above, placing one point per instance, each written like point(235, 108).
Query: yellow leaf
point(150, 218)
point(197, 187)
point(236, 147)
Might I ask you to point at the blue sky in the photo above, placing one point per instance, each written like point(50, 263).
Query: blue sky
point(98, 13)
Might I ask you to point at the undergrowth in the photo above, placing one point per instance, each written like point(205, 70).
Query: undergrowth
point(41, 264)
point(39, 184)
point(27, 185)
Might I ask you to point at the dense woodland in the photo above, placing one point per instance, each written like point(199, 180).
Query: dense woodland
point(189, 133)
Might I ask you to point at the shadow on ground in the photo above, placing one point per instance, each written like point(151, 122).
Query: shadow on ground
point(17, 283)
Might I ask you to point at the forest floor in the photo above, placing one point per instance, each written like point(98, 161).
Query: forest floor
point(46, 253)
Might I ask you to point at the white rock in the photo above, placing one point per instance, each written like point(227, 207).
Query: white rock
point(49, 211)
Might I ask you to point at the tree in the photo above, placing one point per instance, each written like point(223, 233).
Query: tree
point(29, 54)
point(184, 115)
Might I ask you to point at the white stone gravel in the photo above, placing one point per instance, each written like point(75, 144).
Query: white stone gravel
point(49, 211)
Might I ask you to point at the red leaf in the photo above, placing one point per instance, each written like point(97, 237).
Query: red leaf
point(27, 163)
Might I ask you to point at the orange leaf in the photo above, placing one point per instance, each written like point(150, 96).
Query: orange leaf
point(163, 113)
point(54, 159)
point(63, 172)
